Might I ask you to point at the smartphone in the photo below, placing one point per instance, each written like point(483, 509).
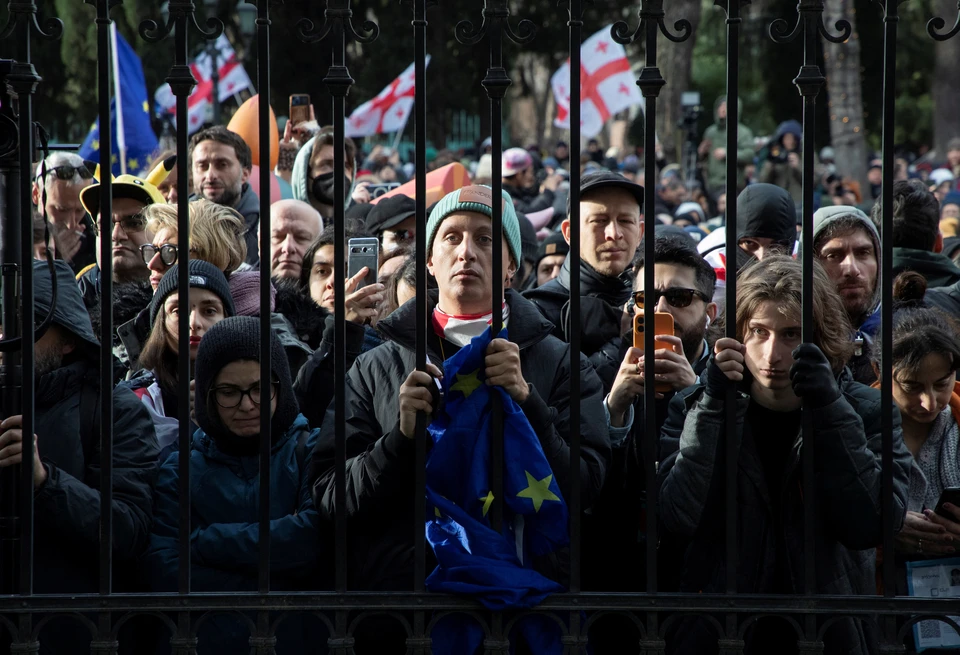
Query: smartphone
point(662, 324)
point(299, 108)
point(949, 495)
point(362, 252)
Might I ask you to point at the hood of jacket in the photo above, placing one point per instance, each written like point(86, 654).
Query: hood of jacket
point(766, 210)
point(299, 177)
point(526, 325)
point(789, 127)
point(305, 316)
point(129, 301)
point(70, 312)
point(612, 290)
point(826, 216)
point(249, 207)
point(938, 269)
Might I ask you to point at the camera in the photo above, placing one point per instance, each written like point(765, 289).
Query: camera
point(690, 112)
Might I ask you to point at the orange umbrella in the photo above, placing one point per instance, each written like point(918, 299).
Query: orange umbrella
point(439, 183)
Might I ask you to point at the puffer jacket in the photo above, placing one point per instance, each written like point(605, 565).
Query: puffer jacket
point(381, 460)
point(225, 505)
point(849, 522)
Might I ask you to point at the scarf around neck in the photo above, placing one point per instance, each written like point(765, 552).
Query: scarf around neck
point(460, 330)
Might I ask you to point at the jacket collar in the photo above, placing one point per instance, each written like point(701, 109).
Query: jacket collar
point(613, 290)
point(527, 325)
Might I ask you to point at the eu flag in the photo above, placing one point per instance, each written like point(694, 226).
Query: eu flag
point(141, 142)
point(474, 559)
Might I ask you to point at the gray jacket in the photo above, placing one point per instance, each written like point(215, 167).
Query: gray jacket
point(849, 522)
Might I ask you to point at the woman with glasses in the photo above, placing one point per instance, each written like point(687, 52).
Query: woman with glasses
point(225, 496)
point(157, 385)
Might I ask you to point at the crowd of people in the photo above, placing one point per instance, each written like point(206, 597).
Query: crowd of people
point(776, 374)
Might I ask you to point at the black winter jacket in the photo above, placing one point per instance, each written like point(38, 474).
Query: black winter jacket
point(380, 460)
point(529, 201)
point(249, 208)
point(847, 437)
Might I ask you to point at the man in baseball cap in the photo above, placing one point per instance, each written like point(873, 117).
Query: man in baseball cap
point(520, 181)
point(126, 227)
point(394, 220)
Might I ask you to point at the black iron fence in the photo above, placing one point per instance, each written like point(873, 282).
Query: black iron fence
point(343, 610)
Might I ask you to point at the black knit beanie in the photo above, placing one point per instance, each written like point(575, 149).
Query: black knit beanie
point(230, 340)
point(203, 275)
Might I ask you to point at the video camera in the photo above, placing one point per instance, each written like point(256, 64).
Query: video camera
point(690, 112)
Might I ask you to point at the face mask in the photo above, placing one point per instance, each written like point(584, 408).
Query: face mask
point(322, 188)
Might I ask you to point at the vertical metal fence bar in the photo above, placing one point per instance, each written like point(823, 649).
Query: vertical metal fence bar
point(104, 25)
point(266, 376)
point(891, 19)
point(419, 24)
point(575, 24)
point(731, 449)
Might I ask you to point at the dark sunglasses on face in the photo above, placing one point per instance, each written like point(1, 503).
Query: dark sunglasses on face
point(678, 297)
point(168, 253)
point(129, 224)
point(67, 172)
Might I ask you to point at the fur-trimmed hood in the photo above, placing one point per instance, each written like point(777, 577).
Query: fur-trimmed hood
point(305, 315)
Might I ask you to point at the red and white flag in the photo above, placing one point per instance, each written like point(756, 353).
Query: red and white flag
point(607, 85)
point(233, 79)
point(389, 111)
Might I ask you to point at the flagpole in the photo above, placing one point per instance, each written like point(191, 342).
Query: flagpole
point(118, 103)
point(396, 140)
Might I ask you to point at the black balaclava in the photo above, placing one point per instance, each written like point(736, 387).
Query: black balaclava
point(767, 211)
point(230, 340)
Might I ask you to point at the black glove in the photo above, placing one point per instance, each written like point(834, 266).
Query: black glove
point(813, 379)
point(717, 381)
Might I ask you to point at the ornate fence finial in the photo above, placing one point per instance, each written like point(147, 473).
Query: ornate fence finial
point(26, 10)
point(152, 32)
point(338, 13)
point(496, 13)
point(651, 13)
point(936, 24)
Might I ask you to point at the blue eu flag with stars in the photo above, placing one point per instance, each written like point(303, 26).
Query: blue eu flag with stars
point(473, 559)
point(141, 142)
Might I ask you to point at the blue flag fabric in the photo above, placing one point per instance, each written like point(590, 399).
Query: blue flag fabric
point(140, 139)
point(473, 559)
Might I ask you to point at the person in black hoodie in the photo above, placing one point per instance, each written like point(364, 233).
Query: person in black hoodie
point(384, 392)
point(611, 226)
point(766, 221)
point(66, 460)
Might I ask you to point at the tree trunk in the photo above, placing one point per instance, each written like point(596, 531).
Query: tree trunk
point(842, 70)
point(674, 61)
point(946, 82)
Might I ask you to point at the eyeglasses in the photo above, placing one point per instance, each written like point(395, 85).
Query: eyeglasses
point(678, 297)
point(129, 224)
point(168, 253)
point(229, 397)
point(66, 172)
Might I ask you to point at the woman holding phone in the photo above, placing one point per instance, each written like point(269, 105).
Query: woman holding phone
point(926, 358)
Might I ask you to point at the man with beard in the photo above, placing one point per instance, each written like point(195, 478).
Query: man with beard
point(683, 287)
point(847, 244)
point(221, 161)
point(65, 455)
point(611, 226)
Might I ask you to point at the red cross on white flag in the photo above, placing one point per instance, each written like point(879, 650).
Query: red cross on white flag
point(607, 85)
point(389, 111)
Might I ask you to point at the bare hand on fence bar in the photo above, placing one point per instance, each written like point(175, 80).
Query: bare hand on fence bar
point(361, 305)
point(922, 536)
point(503, 369)
point(416, 396)
point(11, 449)
point(813, 379)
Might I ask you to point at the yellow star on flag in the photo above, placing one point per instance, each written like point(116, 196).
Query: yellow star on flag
point(146, 106)
point(487, 502)
point(132, 164)
point(467, 384)
point(538, 491)
point(95, 144)
point(436, 511)
point(113, 159)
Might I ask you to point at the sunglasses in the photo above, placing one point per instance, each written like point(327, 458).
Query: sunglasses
point(129, 224)
point(168, 253)
point(678, 297)
point(66, 172)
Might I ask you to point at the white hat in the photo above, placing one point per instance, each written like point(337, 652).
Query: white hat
point(941, 175)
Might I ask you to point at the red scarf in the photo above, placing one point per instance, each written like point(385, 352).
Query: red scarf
point(460, 330)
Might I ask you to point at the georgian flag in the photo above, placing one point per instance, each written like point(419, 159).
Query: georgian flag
point(389, 111)
point(607, 85)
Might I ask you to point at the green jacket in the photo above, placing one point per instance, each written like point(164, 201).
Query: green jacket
point(714, 171)
point(938, 269)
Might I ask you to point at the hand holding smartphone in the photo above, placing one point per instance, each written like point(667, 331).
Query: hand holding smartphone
point(662, 324)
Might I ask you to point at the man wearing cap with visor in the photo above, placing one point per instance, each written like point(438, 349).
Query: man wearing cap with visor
point(126, 227)
point(394, 221)
point(384, 392)
point(520, 181)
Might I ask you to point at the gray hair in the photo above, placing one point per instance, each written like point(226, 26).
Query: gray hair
point(55, 159)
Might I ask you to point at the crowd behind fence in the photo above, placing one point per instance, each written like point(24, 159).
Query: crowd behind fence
point(640, 529)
